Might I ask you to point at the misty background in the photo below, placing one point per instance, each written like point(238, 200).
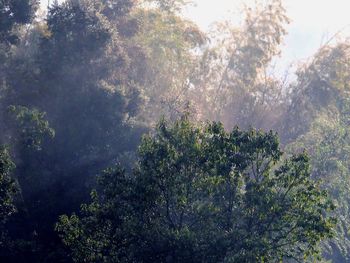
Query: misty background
point(168, 131)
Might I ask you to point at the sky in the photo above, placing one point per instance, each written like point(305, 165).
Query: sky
point(314, 22)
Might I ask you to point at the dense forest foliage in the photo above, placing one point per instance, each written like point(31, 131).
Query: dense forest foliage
point(129, 135)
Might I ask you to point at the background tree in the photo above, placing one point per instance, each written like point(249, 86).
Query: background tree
point(14, 13)
point(171, 45)
point(321, 87)
point(238, 81)
point(319, 112)
point(76, 73)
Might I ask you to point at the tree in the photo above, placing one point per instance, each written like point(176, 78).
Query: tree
point(328, 144)
point(170, 6)
point(321, 85)
point(318, 120)
point(237, 73)
point(13, 13)
point(171, 45)
point(8, 189)
point(201, 194)
point(7, 186)
point(78, 77)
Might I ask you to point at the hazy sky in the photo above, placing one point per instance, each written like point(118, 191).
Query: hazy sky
point(313, 21)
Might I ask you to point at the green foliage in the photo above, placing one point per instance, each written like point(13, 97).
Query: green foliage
point(318, 121)
point(170, 62)
point(31, 126)
point(328, 143)
point(171, 6)
point(237, 78)
point(13, 13)
point(201, 194)
point(74, 86)
point(76, 79)
point(321, 88)
point(8, 189)
point(7, 186)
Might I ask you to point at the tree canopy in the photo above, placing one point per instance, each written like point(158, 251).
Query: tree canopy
point(201, 194)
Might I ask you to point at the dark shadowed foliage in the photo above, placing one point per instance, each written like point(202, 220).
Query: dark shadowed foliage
point(200, 194)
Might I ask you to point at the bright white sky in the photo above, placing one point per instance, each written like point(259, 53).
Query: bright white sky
point(313, 21)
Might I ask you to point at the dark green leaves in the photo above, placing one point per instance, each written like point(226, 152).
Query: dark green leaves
point(31, 126)
point(201, 194)
point(7, 186)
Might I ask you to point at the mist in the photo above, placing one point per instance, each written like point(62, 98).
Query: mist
point(131, 131)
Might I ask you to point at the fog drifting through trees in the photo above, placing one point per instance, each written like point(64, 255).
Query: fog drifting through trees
point(130, 135)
